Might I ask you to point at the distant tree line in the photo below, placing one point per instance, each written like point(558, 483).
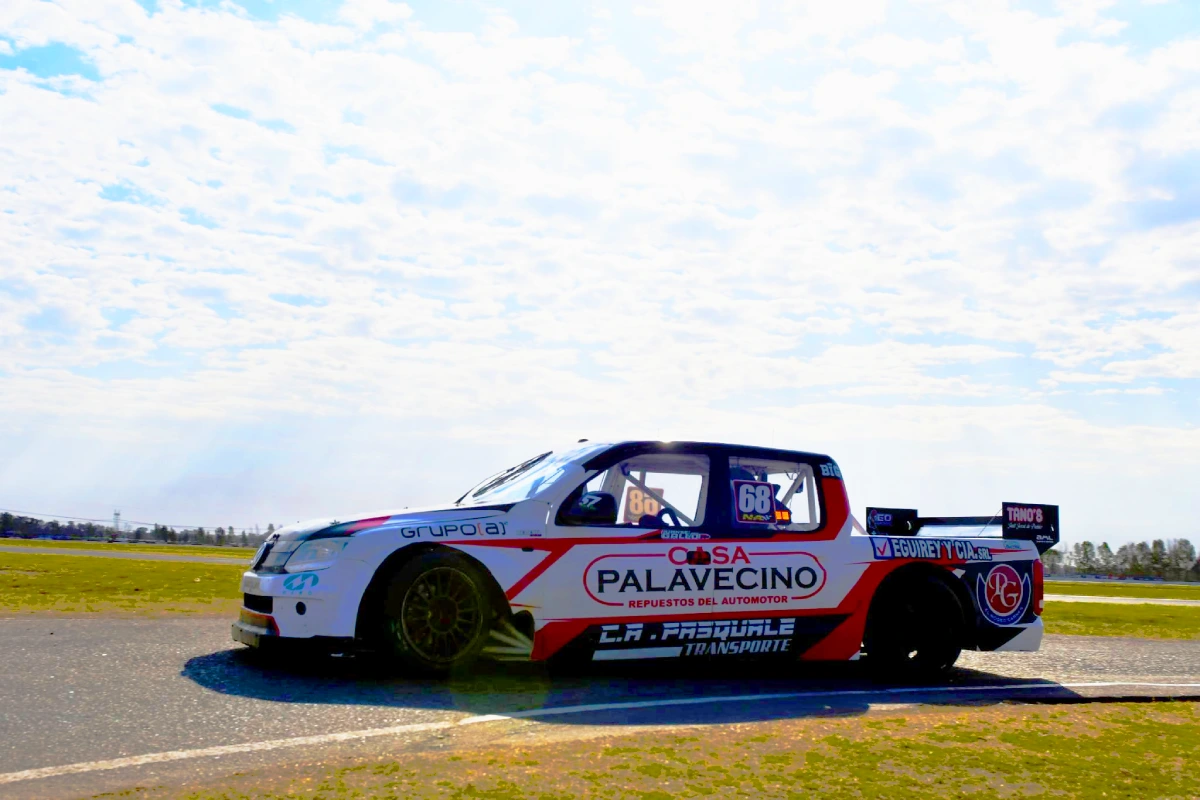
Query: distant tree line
point(1171, 559)
point(12, 525)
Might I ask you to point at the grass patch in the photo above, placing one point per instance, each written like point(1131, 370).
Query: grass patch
point(243, 553)
point(1099, 619)
point(38, 582)
point(1115, 751)
point(1150, 590)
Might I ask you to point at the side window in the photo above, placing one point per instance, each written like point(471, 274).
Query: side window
point(773, 495)
point(650, 491)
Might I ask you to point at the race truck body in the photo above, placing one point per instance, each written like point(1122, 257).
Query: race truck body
point(653, 550)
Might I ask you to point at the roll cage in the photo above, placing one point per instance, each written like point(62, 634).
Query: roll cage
point(716, 517)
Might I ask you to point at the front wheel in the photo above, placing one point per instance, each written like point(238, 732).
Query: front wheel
point(437, 616)
point(914, 631)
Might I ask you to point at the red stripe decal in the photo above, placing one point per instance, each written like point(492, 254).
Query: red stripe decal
point(363, 524)
point(535, 573)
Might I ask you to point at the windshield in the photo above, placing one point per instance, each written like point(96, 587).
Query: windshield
point(525, 479)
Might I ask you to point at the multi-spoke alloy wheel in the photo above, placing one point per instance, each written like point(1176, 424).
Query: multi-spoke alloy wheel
point(437, 614)
point(442, 614)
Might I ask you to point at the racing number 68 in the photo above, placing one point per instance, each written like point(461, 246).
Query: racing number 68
point(754, 498)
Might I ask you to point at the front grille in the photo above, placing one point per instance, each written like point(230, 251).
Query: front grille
point(258, 603)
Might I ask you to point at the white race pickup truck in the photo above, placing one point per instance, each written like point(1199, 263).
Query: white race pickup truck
point(653, 550)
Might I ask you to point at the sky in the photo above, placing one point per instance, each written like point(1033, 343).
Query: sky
point(264, 261)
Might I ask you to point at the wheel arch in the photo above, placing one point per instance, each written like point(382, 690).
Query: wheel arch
point(370, 606)
point(922, 571)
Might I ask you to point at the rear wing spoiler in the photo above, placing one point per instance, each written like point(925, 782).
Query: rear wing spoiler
point(1026, 521)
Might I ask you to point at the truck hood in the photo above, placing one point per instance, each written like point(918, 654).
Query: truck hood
point(329, 527)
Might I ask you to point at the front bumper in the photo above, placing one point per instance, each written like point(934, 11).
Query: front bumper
point(253, 628)
point(318, 608)
point(260, 632)
point(304, 605)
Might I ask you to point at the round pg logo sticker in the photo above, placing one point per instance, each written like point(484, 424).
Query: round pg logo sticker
point(1003, 595)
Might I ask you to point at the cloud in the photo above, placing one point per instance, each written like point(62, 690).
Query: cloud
point(891, 50)
point(480, 229)
point(365, 14)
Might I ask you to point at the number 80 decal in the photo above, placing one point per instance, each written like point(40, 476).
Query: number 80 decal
point(754, 501)
point(638, 503)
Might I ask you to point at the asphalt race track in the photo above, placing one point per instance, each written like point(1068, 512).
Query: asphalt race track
point(103, 704)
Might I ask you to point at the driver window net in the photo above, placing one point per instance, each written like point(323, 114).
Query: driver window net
point(774, 495)
point(656, 491)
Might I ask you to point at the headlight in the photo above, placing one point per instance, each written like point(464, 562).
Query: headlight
point(278, 555)
point(258, 554)
point(318, 554)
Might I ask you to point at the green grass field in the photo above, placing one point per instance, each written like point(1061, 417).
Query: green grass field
point(65, 583)
point(243, 553)
point(1086, 751)
point(1150, 590)
point(1099, 619)
point(52, 583)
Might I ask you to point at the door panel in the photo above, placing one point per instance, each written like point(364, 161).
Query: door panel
point(732, 579)
point(614, 578)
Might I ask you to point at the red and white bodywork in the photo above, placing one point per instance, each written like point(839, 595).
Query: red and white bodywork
point(708, 550)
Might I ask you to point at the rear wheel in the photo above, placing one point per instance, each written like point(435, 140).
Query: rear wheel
point(914, 631)
point(437, 615)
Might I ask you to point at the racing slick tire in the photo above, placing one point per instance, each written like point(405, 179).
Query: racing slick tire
point(914, 630)
point(437, 615)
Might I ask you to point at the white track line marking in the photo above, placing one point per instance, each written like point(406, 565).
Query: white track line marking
point(690, 701)
point(533, 713)
point(220, 750)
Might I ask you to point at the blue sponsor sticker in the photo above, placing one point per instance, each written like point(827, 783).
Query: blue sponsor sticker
point(888, 547)
point(881, 547)
point(301, 582)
